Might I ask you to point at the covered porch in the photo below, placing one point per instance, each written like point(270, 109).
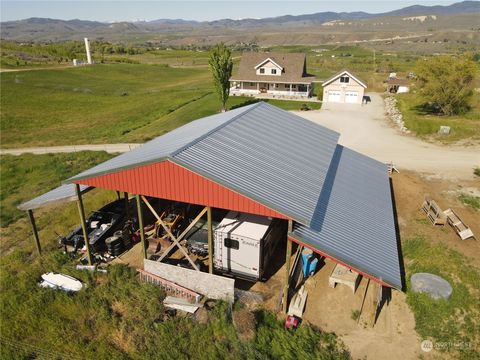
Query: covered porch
point(299, 90)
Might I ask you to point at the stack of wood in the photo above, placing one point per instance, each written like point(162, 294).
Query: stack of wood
point(458, 225)
point(433, 211)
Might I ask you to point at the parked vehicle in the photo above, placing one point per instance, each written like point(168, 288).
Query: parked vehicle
point(244, 244)
point(197, 236)
point(101, 224)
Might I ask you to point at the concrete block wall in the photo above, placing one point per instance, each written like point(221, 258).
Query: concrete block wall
point(212, 286)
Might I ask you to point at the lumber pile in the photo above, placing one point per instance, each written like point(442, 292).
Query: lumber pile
point(433, 211)
point(458, 225)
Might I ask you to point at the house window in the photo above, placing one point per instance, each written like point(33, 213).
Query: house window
point(252, 84)
point(344, 79)
point(274, 71)
point(294, 86)
point(231, 244)
point(262, 71)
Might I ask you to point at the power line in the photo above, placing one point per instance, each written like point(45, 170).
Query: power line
point(41, 353)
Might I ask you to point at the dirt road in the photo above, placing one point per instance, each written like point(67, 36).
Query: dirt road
point(110, 148)
point(366, 130)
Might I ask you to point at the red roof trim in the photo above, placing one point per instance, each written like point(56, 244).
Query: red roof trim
point(171, 181)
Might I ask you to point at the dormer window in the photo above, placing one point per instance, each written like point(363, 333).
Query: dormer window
point(344, 79)
point(262, 71)
point(274, 71)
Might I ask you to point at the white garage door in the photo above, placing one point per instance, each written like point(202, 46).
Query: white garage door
point(351, 97)
point(333, 96)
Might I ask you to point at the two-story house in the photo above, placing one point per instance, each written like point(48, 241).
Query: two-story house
point(272, 73)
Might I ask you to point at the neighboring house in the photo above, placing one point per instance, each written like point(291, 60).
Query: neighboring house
point(343, 88)
point(398, 86)
point(272, 73)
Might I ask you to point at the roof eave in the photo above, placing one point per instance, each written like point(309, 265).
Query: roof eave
point(373, 277)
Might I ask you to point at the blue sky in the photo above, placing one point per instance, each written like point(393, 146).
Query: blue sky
point(110, 10)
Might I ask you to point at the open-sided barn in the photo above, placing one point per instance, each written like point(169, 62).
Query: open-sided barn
point(261, 160)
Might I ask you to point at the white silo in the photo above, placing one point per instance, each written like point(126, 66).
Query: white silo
point(87, 48)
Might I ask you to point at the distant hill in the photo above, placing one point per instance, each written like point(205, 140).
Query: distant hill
point(43, 29)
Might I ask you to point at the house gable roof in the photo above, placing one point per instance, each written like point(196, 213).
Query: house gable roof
point(268, 60)
point(341, 73)
point(293, 65)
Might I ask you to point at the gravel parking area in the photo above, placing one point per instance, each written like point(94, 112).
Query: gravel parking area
point(364, 128)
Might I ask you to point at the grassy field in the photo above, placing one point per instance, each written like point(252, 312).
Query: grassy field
point(24, 177)
point(426, 125)
point(116, 316)
point(452, 324)
point(105, 103)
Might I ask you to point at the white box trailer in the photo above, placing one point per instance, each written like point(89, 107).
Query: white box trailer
point(244, 243)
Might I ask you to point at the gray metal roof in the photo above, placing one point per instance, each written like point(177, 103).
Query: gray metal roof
point(58, 195)
point(354, 221)
point(163, 146)
point(270, 155)
point(260, 151)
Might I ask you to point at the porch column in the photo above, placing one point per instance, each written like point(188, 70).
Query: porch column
point(288, 255)
point(210, 240)
point(258, 87)
point(290, 88)
point(35, 232)
point(140, 225)
point(308, 90)
point(81, 211)
point(241, 85)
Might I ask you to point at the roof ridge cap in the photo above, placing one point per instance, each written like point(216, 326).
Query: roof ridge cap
point(221, 126)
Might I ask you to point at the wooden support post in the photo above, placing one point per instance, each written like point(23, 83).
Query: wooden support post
point(118, 195)
point(81, 211)
point(167, 230)
point(288, 255)
point(35, 232)
point(140, 225)
point(210, 240)
point(127, 207)
point(192, 224)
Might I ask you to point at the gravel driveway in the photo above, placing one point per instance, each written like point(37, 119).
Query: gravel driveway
point(365, 129)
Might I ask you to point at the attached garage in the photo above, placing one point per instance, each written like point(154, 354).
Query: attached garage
point(343, 88)
point(351, 97)
point(334, 96)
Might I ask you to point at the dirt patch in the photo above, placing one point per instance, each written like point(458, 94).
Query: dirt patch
point(410, 189)
point(365, 129)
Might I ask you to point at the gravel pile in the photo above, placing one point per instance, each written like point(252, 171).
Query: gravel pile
point(392, 112)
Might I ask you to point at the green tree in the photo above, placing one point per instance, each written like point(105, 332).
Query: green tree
point(221, 65)
point(446, 82)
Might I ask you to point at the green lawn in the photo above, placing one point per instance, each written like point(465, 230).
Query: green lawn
point(453, 321)
point(24, 177)
point(94, 104)
point(427, 125)
point(105, 103)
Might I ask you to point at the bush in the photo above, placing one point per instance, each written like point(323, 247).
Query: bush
point(446, 83)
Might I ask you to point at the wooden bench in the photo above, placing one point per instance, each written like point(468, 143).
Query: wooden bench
point(459, 226)
point(344, 275)
point(433, 211)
